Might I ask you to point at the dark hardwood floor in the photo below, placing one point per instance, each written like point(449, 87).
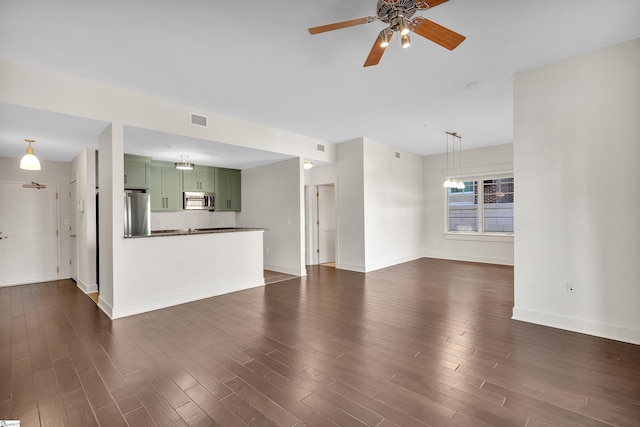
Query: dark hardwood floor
point(428, 342)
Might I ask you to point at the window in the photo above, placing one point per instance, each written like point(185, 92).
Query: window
point(485, 205)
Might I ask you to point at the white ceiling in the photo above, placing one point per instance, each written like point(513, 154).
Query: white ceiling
point(255, 60)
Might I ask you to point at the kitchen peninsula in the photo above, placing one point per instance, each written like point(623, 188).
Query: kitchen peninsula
point(172, 267)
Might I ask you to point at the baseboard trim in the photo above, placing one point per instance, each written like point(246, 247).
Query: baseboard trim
point(391, 263)
point(144, 307)
point(105, 307)
point(468, 258)
point(87, 289)
point(350, 267)
point(285, 270)
point(582, 326)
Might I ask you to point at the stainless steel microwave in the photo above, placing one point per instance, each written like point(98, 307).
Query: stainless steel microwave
point(199, 200)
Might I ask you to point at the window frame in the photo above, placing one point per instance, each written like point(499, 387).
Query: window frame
point(480, 235)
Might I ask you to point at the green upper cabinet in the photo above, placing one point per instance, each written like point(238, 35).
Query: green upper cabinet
point(228, 190)
point(136, 172)
point(165, 187)
point(200, 178)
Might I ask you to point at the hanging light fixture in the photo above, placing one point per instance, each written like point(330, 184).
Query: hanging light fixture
point(499, 193)
point(184, 164)
point(460, 180)
point(29, 161)
point(457, 181)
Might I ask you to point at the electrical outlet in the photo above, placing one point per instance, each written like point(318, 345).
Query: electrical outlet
point(266, 249)
point(571, 287)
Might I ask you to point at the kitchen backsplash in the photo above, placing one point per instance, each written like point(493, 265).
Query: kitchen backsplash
point(191, 219)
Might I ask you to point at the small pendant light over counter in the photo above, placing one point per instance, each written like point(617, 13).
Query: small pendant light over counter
point(184, 164)
point(29, 161)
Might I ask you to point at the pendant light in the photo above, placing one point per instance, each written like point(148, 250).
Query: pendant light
point(460, 180)
point(456, 182)
point(184, 164)
point(29, 161)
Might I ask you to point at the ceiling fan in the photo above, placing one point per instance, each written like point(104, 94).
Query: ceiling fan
point(399, 15)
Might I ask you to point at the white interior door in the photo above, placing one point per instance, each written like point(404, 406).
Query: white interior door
point(28, 227)
point(73, 227)
point(326, 224)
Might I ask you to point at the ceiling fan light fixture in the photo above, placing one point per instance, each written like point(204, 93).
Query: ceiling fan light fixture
point(385, 38)
point(404, 27)
point(406, 41)
point(29, 161)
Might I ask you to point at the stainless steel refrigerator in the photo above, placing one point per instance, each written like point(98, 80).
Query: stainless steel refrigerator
point(137, 214)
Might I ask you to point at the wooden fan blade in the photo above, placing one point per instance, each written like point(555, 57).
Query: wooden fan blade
point(343, 24)
point(434, 3)
point(428, 4)
point(376, 52)
point(437, 33)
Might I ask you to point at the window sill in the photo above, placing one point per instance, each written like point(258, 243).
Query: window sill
point(479, 237)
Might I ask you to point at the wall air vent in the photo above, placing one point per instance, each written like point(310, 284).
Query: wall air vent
point(397, 155)
point(198, 120)
point(320, 147)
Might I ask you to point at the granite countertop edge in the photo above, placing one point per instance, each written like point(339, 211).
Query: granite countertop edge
point(195, 231)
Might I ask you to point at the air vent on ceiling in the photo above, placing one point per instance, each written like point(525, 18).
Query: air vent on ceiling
point(198, 120)
point(397, 155)
point(320, 147)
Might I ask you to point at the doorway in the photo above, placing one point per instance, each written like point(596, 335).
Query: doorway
point(28, 233)
point(326, 224)
point(73, 240)
point(321, 224)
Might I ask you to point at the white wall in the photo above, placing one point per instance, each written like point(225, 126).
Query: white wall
point(577, 219)
point(83, 171)
point(41, 89)
point(393, 205)
point(348, 177)
point(111, 224)
point(379, 206)
point(437, 244)
point(272, 198)
point(52, 173)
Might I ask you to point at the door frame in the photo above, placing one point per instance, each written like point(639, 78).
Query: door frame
point(75, 221)
point(311, 218)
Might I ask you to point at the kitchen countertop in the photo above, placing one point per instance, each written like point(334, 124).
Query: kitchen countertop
point(189, 231)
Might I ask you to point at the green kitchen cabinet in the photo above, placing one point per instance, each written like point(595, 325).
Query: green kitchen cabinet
point(200, 178)
point(136, 172)
point(228, 187)
point(165, 187)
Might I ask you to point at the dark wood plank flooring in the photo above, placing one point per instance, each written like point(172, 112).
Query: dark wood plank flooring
point(428, 342)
